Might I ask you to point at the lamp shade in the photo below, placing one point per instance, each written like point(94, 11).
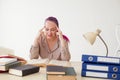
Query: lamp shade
point(91, 36)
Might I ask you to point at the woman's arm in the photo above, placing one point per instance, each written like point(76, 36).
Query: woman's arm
point(65, 54)
point(35, 48)
point(34, 52)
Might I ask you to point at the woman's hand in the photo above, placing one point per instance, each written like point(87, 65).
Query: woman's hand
point(59, 33)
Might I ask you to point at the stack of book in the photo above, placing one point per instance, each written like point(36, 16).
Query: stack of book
point(60, 73)
point(7, 63)
point(100, 67)
point(16, 66)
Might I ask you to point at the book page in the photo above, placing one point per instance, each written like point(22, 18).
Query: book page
point(38, 62)
point(44, 62)
point(60, 63)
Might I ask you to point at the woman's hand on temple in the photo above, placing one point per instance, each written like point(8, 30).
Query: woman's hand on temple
point(59, 33)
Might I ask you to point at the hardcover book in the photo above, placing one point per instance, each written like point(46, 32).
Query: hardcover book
point(55, 70)
point(70, 74)
point(9, 65)
point(4, 61)
point(22, 60)
point(24, 70)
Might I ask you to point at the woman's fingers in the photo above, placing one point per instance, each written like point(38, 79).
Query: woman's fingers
point(59, 31)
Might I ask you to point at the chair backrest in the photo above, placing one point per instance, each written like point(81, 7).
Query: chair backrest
point(5, 51)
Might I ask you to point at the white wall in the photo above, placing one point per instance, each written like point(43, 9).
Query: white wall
point(21, 19)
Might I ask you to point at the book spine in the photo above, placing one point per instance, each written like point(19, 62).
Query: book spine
point(100, 59)
point(101, 67)
point(100, 75)
point(30, 71)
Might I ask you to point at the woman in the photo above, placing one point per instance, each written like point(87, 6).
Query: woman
point(50, 42)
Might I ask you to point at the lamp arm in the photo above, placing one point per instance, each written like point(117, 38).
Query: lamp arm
point(104, 44)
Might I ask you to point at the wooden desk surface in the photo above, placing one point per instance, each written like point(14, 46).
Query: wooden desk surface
point(42, 74)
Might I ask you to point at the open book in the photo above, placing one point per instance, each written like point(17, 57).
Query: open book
point(44, 62)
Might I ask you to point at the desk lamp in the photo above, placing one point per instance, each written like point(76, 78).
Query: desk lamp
point(91, 37)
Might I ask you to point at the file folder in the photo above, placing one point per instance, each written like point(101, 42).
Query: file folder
point(101, 67)
point(96, 74)
point(100, 59)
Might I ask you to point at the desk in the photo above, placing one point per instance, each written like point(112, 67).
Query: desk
point(41, 75)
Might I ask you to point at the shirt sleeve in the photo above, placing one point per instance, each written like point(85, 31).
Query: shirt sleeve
point(35, 49)
point(34, 52)
point(65, 54)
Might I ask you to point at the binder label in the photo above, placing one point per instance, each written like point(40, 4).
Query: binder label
point(111, 60)
point(102, 75)
point(94, 67)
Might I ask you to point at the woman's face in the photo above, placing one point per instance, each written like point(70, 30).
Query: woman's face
point(50, 29)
